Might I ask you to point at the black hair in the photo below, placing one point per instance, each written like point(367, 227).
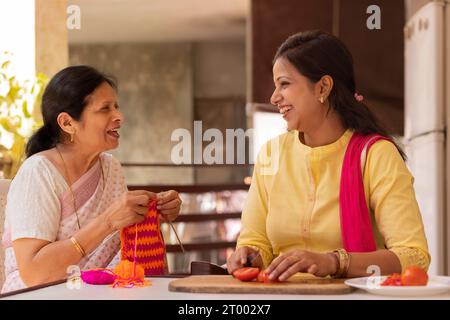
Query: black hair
point(317, 53)
point(67, 91)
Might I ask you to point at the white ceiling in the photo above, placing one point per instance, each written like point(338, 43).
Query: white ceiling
point(108, 21)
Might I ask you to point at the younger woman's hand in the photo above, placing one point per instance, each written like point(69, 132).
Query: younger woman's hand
point(288, 264)
point(241, 256)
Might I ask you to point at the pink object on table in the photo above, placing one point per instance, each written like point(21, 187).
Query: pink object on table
point(98, 276)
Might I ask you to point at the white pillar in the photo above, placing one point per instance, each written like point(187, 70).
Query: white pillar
point(35, 32)
point(17, 34)
point(52, 48)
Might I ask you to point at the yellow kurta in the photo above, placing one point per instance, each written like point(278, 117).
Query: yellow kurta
point(293, 201)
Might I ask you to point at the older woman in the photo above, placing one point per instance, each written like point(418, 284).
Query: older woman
point(69, 197)
point(314, 211)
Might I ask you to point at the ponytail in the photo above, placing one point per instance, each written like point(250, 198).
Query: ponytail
point(356, 115)
point(41, 140)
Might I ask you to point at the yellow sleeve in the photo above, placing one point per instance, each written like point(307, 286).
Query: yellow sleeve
point(393, 201)
point(253, 222)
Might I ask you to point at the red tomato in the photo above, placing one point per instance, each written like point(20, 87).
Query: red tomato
point(246, 274)
point(414, 276)
point(263, 277)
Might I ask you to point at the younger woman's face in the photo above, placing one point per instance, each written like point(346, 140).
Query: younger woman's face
point(296, 97)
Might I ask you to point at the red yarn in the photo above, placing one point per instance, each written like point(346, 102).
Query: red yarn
point(143, 243)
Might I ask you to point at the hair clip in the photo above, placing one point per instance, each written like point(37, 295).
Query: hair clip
point(359, 97)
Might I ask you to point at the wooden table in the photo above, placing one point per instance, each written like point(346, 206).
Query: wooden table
point(159, 291)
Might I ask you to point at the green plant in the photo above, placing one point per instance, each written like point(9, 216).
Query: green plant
point(20, 113)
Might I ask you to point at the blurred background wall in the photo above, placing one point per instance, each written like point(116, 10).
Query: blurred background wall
point(156, 97)
point(175, 62)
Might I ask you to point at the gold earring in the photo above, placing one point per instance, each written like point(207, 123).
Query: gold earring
point(321, 99)
point(71, 138)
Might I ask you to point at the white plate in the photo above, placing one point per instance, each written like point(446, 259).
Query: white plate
point(436, 285)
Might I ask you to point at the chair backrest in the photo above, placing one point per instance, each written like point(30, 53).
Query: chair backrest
point(4, 187)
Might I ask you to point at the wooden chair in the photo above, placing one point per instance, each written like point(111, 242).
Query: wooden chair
point(4, 187)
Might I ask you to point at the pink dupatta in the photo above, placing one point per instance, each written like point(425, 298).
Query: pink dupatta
point(356, 226)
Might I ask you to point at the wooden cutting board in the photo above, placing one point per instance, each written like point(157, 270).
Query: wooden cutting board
point(228, 284)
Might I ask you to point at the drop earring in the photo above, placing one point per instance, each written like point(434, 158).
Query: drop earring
point(321, 99)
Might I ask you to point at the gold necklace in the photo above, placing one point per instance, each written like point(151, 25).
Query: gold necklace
point(70, 188)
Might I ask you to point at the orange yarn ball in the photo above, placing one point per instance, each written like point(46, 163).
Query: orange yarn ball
point(125, 270)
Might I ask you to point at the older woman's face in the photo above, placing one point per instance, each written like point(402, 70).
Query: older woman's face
point(294, 95)
point(100, 121)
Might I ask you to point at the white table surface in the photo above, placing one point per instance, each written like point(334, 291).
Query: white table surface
point(159, 291)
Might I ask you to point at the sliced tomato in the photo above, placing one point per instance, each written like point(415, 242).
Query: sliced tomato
point(263, 277)
point(246, 274)
point(414, 276)
point(393, 280)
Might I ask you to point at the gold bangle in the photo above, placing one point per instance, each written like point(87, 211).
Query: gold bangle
point(344, 263)
point(347, 265)
point(78, 247)
point(341, 264)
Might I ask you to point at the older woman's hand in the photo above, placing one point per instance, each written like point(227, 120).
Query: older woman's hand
point(169, 204)
point(129, 209)
point(286, 265)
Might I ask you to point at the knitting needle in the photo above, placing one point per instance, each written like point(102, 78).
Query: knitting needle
point(176, 234)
